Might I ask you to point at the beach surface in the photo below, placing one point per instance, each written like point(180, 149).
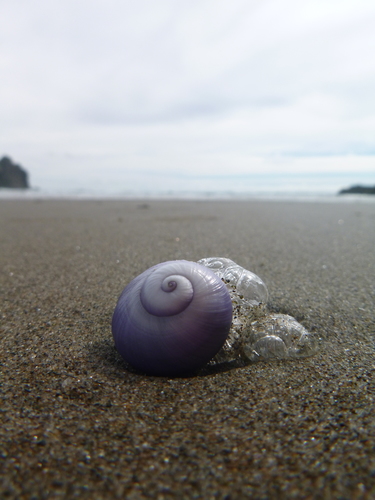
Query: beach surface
point(76, 422)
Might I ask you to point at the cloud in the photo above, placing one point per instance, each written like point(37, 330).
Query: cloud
point(220, 85)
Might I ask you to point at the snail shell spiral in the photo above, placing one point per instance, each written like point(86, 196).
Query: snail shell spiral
point(172, 319)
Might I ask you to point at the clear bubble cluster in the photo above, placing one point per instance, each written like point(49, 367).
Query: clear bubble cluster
point(278, 336)
point(256, 333)
point(246, 285)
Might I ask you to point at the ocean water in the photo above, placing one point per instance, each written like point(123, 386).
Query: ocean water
point(270, 186)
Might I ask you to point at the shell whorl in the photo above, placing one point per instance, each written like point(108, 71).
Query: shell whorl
point(172, 319)
point(166, 295)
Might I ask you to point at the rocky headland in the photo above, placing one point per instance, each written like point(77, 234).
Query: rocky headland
point(12, 175)
point(358, 189)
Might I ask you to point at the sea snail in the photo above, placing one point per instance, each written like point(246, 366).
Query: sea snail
point(172, 319)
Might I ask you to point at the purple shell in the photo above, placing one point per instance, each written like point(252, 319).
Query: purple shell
point(172, 319)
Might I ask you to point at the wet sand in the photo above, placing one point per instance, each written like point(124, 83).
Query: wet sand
point(76, 423)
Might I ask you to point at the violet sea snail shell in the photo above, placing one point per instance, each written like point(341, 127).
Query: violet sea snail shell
point(172, 319)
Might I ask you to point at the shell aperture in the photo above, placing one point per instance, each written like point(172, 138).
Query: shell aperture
point(172, 319)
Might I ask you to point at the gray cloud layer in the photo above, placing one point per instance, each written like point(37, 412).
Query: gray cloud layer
point(241, 78)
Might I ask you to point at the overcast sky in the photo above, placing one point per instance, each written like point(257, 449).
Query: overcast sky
point(185, 88)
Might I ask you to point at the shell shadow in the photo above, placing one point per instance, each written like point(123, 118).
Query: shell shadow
point(223, 367)
point(104, 357)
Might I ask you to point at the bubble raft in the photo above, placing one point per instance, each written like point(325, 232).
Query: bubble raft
point(277, 336)
point(255, 333)
point(247, 285)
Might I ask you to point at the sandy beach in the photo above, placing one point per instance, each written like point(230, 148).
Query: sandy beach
point(77, 423)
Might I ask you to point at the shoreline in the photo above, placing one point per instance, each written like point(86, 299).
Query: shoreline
point(187, 195)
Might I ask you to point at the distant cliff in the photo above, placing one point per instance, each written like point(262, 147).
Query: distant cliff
point(12, 175)
point(358, 190)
